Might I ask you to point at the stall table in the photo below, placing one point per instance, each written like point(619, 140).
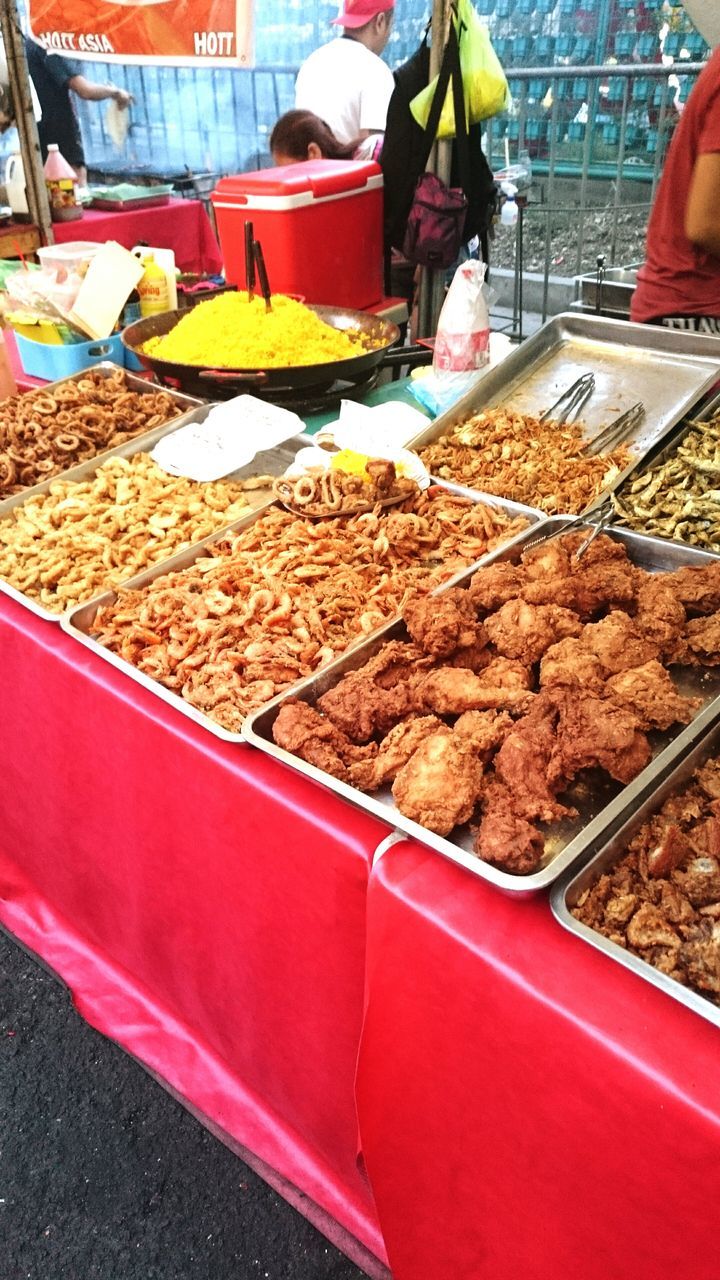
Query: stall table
point(466, 1089)
point(181, 225)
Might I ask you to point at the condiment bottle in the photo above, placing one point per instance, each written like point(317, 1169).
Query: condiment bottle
point(153, 288)
point(62, 187)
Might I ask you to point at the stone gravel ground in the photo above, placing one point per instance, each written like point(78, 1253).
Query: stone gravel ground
point(103, 1176)
point(597, 239)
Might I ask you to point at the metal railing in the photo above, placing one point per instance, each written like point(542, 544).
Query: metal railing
point(582, 128)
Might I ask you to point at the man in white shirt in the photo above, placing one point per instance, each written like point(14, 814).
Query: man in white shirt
point(345, 82)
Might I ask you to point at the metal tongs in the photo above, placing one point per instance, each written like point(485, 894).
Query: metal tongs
point(616, 431)
point(597, 517)
point(571, 400)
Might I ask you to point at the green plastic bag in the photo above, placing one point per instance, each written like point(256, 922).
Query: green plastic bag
point(485, 86)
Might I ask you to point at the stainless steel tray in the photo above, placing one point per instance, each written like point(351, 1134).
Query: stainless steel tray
point(186, 404)
point(667, 369)
point(599, 812)
point(270, 462)
point(664, 451)
point(617, 288)
point(699, 741)
point(76, 622)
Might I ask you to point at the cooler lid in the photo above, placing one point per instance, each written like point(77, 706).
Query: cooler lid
point(317, 178)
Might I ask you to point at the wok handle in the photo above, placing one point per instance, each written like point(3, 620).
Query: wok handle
point(229, 375)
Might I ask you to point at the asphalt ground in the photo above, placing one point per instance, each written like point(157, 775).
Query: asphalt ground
point(103, 1176)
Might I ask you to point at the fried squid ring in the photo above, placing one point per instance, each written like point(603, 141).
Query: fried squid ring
point(45, 405)
point(8, 471)
point(67, 442)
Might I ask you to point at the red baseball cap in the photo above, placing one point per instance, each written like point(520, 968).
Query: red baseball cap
point(355, 13)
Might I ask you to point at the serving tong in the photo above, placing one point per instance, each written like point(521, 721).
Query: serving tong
point(615, 432)
point(571, 401)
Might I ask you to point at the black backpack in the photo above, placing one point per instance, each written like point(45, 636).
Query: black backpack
point(405, 154)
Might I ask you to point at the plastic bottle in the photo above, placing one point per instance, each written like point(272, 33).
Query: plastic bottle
point(62, 187)
point(165, 258)
point(15, 185)
point(509, 212)
point(153, 288)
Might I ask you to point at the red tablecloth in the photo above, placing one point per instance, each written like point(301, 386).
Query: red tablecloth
point(181, 225)
point(527, 1108)
point(204, 908)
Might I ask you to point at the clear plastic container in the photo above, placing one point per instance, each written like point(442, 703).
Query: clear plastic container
point(67, 258)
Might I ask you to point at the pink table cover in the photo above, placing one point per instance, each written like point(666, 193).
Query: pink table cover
point(181, 225)
point(205, 906)
point(527, 1108)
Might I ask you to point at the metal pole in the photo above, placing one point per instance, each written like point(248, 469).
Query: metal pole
point(37, 197)
point(432, 283)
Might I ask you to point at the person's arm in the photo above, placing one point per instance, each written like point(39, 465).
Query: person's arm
point(702, 225)
point(92, 92)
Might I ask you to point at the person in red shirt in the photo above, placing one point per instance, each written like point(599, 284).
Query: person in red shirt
point(679, 283)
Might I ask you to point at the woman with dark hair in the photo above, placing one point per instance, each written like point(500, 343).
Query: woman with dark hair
point(301, 135)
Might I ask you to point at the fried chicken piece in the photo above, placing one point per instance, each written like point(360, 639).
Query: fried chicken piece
point(474, 657)
point(503, 685)
point(648, 691)
point(523, 761)
point(700, 642)
point(672, 850)
point(603, 577)
point(700, 955)
point(696, 587)
point(570, 664)
point(492, 586)
point(299, 728)
point(373, 699)
point(649, 928)
point(525, 631)
point(360, 708)
point(441, 624)
point(505, 839)
point(660, 617)
point(440, 784)
point(548, 560)
point(394, 662)
point(485, 730)
point(382, 472)
point(593, 732)
point(394, 751)
point(618, 642)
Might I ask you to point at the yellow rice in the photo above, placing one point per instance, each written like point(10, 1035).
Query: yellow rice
point(235, 332)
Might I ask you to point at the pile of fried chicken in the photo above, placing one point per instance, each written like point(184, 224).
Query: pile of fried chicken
point(505, 692)
point(661, 901)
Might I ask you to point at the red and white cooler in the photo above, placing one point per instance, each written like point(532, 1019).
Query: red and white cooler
point(320, 224)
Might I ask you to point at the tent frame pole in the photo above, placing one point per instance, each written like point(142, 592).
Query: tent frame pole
point(37, 197)
point(432, 283)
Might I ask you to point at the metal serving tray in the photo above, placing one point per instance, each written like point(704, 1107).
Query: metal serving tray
point(599, 811)
point(700, 741)
point(184, 403)
point(667, 369)
point(664, 451)
point(76, 622)
point(270, 462)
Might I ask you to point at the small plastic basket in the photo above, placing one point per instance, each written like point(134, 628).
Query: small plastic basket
point(51, 363)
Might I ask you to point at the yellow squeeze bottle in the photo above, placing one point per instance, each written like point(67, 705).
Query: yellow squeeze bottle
point(153, 288)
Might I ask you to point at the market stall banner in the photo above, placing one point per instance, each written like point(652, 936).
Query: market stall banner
point(166, 32)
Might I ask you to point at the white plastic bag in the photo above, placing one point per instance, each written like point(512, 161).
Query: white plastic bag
point(463, 332)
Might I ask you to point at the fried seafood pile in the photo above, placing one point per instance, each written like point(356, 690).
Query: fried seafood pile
point(679, 497)
point(516, 456)
point(43, 433)
point(662, 900)
point(322, 493)
point(83, 536)
point(285, 595)
point(509, 690)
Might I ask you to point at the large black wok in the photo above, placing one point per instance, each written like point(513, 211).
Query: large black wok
point(212, 383)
